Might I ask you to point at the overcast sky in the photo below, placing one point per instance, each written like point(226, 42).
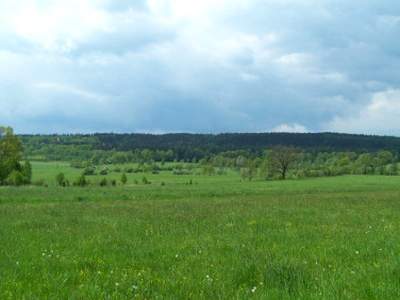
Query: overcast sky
point(210, 66)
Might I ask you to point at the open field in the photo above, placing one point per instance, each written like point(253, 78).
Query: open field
point(215, 238)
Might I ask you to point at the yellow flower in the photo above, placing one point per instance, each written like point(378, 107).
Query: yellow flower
point(251, 223)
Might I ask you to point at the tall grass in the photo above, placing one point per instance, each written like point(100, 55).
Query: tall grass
point(320, 238)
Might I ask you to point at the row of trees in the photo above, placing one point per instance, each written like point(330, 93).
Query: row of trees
point(274, 162)
point(123, 148)
point(281, 160)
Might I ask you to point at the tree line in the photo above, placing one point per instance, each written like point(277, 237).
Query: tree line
point(267, 155)
point(193, 147)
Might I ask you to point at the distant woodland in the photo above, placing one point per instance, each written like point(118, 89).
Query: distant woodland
point(252, 154)
point(189, 147)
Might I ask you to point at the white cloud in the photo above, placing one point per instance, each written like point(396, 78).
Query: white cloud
point(295, 128)
point(380, 116)
point(56, 25)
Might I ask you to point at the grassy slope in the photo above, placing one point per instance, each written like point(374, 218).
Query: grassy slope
point(328, 237)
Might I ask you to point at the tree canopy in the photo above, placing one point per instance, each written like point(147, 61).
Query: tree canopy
point(11, 149)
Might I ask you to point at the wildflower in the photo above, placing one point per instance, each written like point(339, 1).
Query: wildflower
point(253, 290)
point(134, 287)
point(116, 284)
point(357, 252)
point(176, 256)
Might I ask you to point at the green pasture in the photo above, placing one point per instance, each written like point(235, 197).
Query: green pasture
point(217, 238)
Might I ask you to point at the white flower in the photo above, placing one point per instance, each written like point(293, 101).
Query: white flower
point(134, 287)
point(253, 290)
point(357, 252)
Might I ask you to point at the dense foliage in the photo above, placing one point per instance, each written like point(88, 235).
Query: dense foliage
point(252, 154)
point(11, 170)
point(196, 146)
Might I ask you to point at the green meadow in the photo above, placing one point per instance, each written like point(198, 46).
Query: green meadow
point(200, 237)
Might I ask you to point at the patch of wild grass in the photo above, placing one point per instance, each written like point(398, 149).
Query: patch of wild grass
point(320, 238)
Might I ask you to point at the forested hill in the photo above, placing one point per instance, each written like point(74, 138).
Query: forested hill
point(244, 141)
point(214, 144)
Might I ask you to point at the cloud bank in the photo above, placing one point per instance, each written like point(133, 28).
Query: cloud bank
point(200, 66)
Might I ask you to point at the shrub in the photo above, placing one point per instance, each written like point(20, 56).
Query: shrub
point(103, 182)
point(88, 171)
point(16, 178)
point(61, 180)
point(123, 178)
point(104, 171)
point(81, 180)
point(40, 182)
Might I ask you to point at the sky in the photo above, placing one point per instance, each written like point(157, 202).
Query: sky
point(209, 66)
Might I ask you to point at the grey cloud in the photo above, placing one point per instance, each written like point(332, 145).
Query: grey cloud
point(245, 67)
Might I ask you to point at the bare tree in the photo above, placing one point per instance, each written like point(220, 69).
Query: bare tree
point(281, 159)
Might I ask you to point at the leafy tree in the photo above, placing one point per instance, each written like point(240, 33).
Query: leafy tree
point(81, 181)
point(394, 167)
point(123, 178)
point(281, 159)
point(27, 172)
point(368, 163)
point(103, 182)
point(250, 169)
point(16, 178)
point(10, 153)
point(60, 179)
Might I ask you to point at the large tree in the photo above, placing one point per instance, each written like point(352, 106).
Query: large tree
point(10, 153)
point(281, 159)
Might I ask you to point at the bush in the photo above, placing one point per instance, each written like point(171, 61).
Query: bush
point(16, 178)
point(103, 182)
point(40, 182)
point(81, 181)
point(88, 171)
point(123, 178)
point(104, 171)
point(61, 180)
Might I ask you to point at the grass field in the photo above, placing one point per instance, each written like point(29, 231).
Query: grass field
point(325, 238)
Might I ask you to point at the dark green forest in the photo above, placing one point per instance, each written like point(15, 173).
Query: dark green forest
point(189, 147)
point(267, 155)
